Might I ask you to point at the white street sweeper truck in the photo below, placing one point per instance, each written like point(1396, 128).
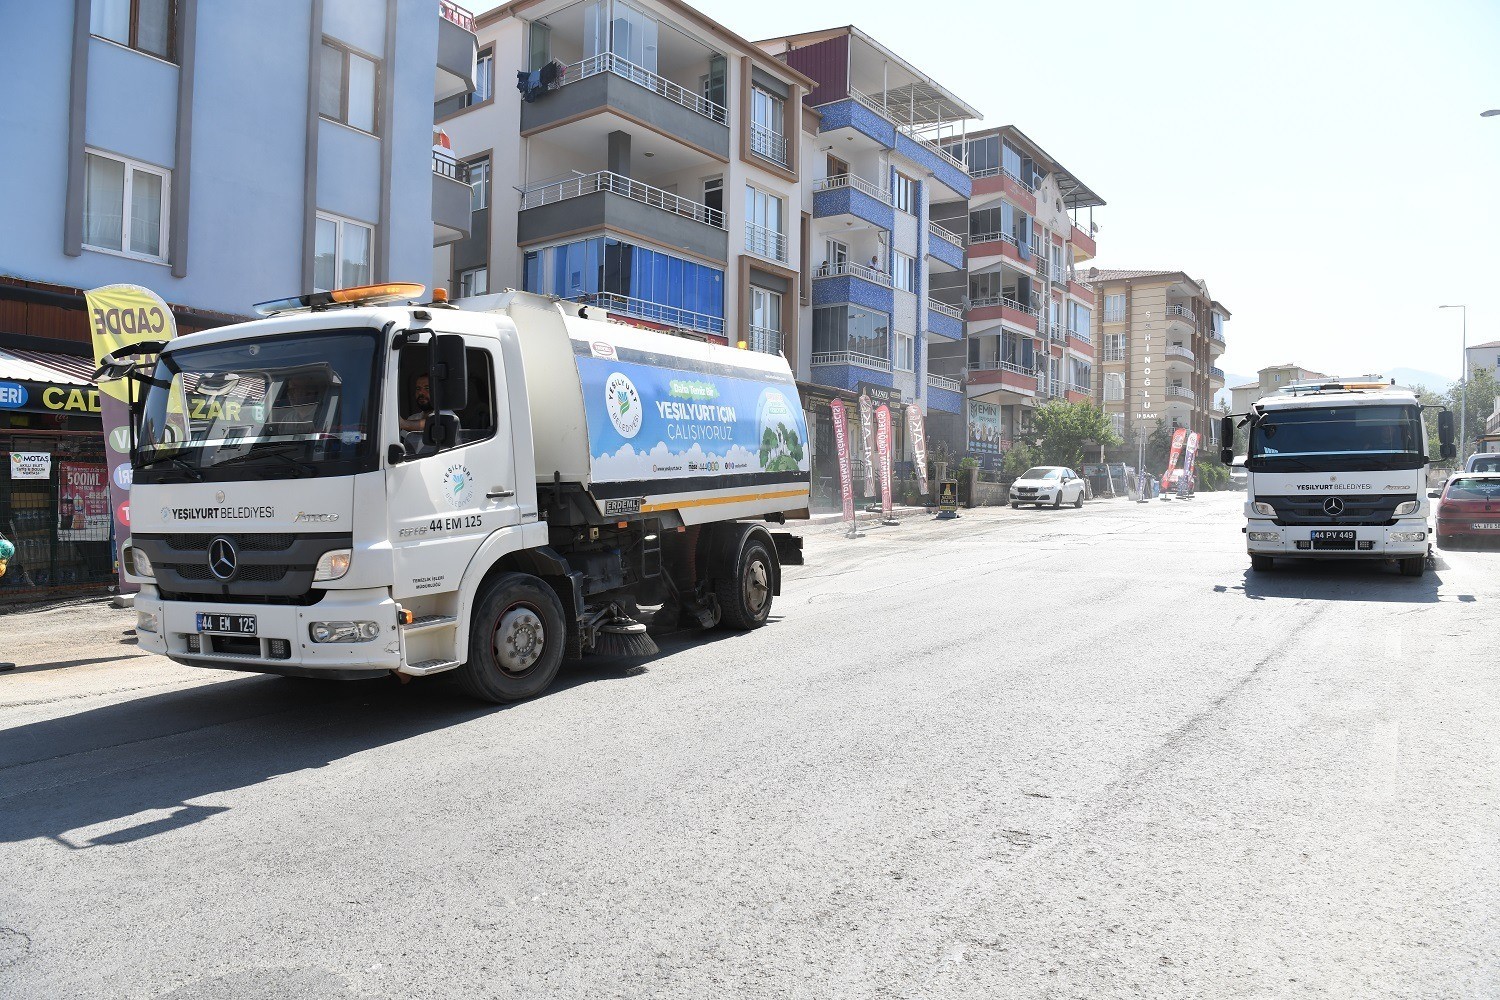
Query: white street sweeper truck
point(359, 485)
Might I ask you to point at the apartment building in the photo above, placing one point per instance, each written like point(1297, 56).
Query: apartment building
point(219, 154)
point(1272, 378)
point(1162, 333)
point(1030, 320)
point(652, 168)
point(875, 161)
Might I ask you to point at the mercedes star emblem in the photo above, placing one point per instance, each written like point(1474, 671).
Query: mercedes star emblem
point(222, 559)
point(1333, 506)
point(219, 497)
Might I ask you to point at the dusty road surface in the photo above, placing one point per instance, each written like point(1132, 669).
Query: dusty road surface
point(1026, 754)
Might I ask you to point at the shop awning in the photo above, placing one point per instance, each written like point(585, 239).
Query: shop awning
point(18, 365)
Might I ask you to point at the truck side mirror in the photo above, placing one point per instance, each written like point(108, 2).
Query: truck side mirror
point(441, 430)
point(1445, 434)
point(450, 373)
point(1226, 437)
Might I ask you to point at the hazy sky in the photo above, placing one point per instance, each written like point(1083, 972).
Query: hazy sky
point(1321, 165)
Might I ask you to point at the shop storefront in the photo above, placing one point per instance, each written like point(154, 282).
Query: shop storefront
point(817, 403)
point(54, 486)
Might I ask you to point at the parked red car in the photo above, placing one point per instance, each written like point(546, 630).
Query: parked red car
point(1469, 509)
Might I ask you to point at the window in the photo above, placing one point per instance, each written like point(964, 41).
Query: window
point(125, 206)
point(474, 281)
point(540, 47)
point(476, 421)
point(835, 256)
point(906, 351)
point(765, 320)
point(713, 193)
point(904, 193)
point(765, 224)
point(1114, 387)
point(840, 329)
point(342, 254)
point(347, 87)
point(767, 126)
point(1079, 319)
point(904, 270)
point(479, 182)
point(484, 76)
point(638, 281)
point(1117, 421)
point(1114, 347)
point(146, 25)
point(1114, 308)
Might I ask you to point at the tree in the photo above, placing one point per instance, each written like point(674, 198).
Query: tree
point(1428, 398)
point(1021, 456)
point(1063, 429)
point(1480, 392)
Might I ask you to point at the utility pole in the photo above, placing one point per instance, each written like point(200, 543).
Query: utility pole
point(1463, 387)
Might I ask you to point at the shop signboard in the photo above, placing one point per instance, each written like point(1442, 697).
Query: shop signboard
point(984, 428)
point(119, 316)
point(31, 465)
point(947, 498)
point(83, 509)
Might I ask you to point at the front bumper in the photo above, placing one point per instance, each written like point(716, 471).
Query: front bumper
point(1396, 541)
point(297, 654)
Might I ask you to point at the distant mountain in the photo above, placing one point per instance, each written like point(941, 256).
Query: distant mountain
point(1413, 376)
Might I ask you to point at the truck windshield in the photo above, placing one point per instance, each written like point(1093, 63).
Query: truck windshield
point(1338, 438)
point(280, 407)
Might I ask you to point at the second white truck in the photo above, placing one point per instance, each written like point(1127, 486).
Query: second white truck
point(349, 489)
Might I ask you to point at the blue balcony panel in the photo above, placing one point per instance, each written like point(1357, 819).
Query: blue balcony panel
point(944, 251)
point(943, 169)
point(847, 201)
point(849, 376)
point(944, 400)
point(853, 291)
point(943, 325)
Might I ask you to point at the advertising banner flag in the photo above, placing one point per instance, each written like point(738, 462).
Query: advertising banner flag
point(846, 472)
point(918, 434)
point(867, 436)
point(883, 444)
point(119, 316)
point(1189, 464)
point(1179, 436)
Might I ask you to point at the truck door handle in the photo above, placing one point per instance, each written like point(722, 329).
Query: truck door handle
point(500, 494)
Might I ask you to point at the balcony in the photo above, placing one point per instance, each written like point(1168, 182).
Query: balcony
point(1216, 375)
point(1008, 310)
point(607, 200)
point(945, 246)
point(767, 243)
point(852, 283)
point(766, 144)
point(457, 52)
point(851, 358)
point(1216, 345)
point(765, 340)
point(655, 312)
point(865, 115)
point(848, 194)
point(1004, 245)
point(1083, 243)
point(989, 376)
point(451, 200)
point(1177, 313)
point(944, 320)
point(1178, 392)
point(609, 83)
point(944, 382)
point(1179, 356)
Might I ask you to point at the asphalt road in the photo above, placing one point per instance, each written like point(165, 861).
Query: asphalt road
point(1024, 754)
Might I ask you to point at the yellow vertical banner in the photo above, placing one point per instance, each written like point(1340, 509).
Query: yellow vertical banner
point(121, 316)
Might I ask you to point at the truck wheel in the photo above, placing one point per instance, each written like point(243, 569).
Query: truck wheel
point(1415, 566)
point(515, 641)
point(1262, 564)
point(745, 592)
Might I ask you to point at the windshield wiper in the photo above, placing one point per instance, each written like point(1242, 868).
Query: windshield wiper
point(180, 462)
point(280, 453)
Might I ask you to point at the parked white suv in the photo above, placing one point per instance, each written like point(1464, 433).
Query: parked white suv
point(1047, 484)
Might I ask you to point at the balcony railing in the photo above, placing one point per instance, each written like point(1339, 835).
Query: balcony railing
point(852, 358)
point(1217, 373)
point(944, 382)
point(1002, 366)
point(1114, 354)
point(839, 181)
point(1178, 351)
point(994, 238)
point(446, 166)
point(1180, 312)
point(945, 234)
point(1178, 392)
point(625, 187)
point(765, 340)
point(892, 114)
point(765, 242)
point(764, 142)
point(656, 312)
point(945, 309)
point(1082, 335)
point(1000, 300)
point(453, 12)
point(608, 62)
point(1216, 336)
point(1075, 387)
point(849, 268)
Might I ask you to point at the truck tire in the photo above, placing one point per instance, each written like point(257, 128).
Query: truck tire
point(516, 640)
point(1414, 566)
point(1262, 564)
point(744, 588)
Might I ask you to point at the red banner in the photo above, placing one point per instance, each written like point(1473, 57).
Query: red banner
point(883, 444)
point(846, 472)
point(1179, 436)
point(918, 434)
point(867, 435)
point(1189, 464)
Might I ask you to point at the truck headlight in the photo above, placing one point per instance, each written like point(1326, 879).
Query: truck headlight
point(146, 621)
point(1408, 536)
point(1264, 509)
point(344, 631)
point(138, 563)
point(1264, 536)
point(333, 565)
point(1409, 507)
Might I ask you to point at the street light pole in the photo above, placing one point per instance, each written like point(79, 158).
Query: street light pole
point(1463, 390)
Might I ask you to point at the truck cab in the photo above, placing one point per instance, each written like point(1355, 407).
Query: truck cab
point(1337, 469)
